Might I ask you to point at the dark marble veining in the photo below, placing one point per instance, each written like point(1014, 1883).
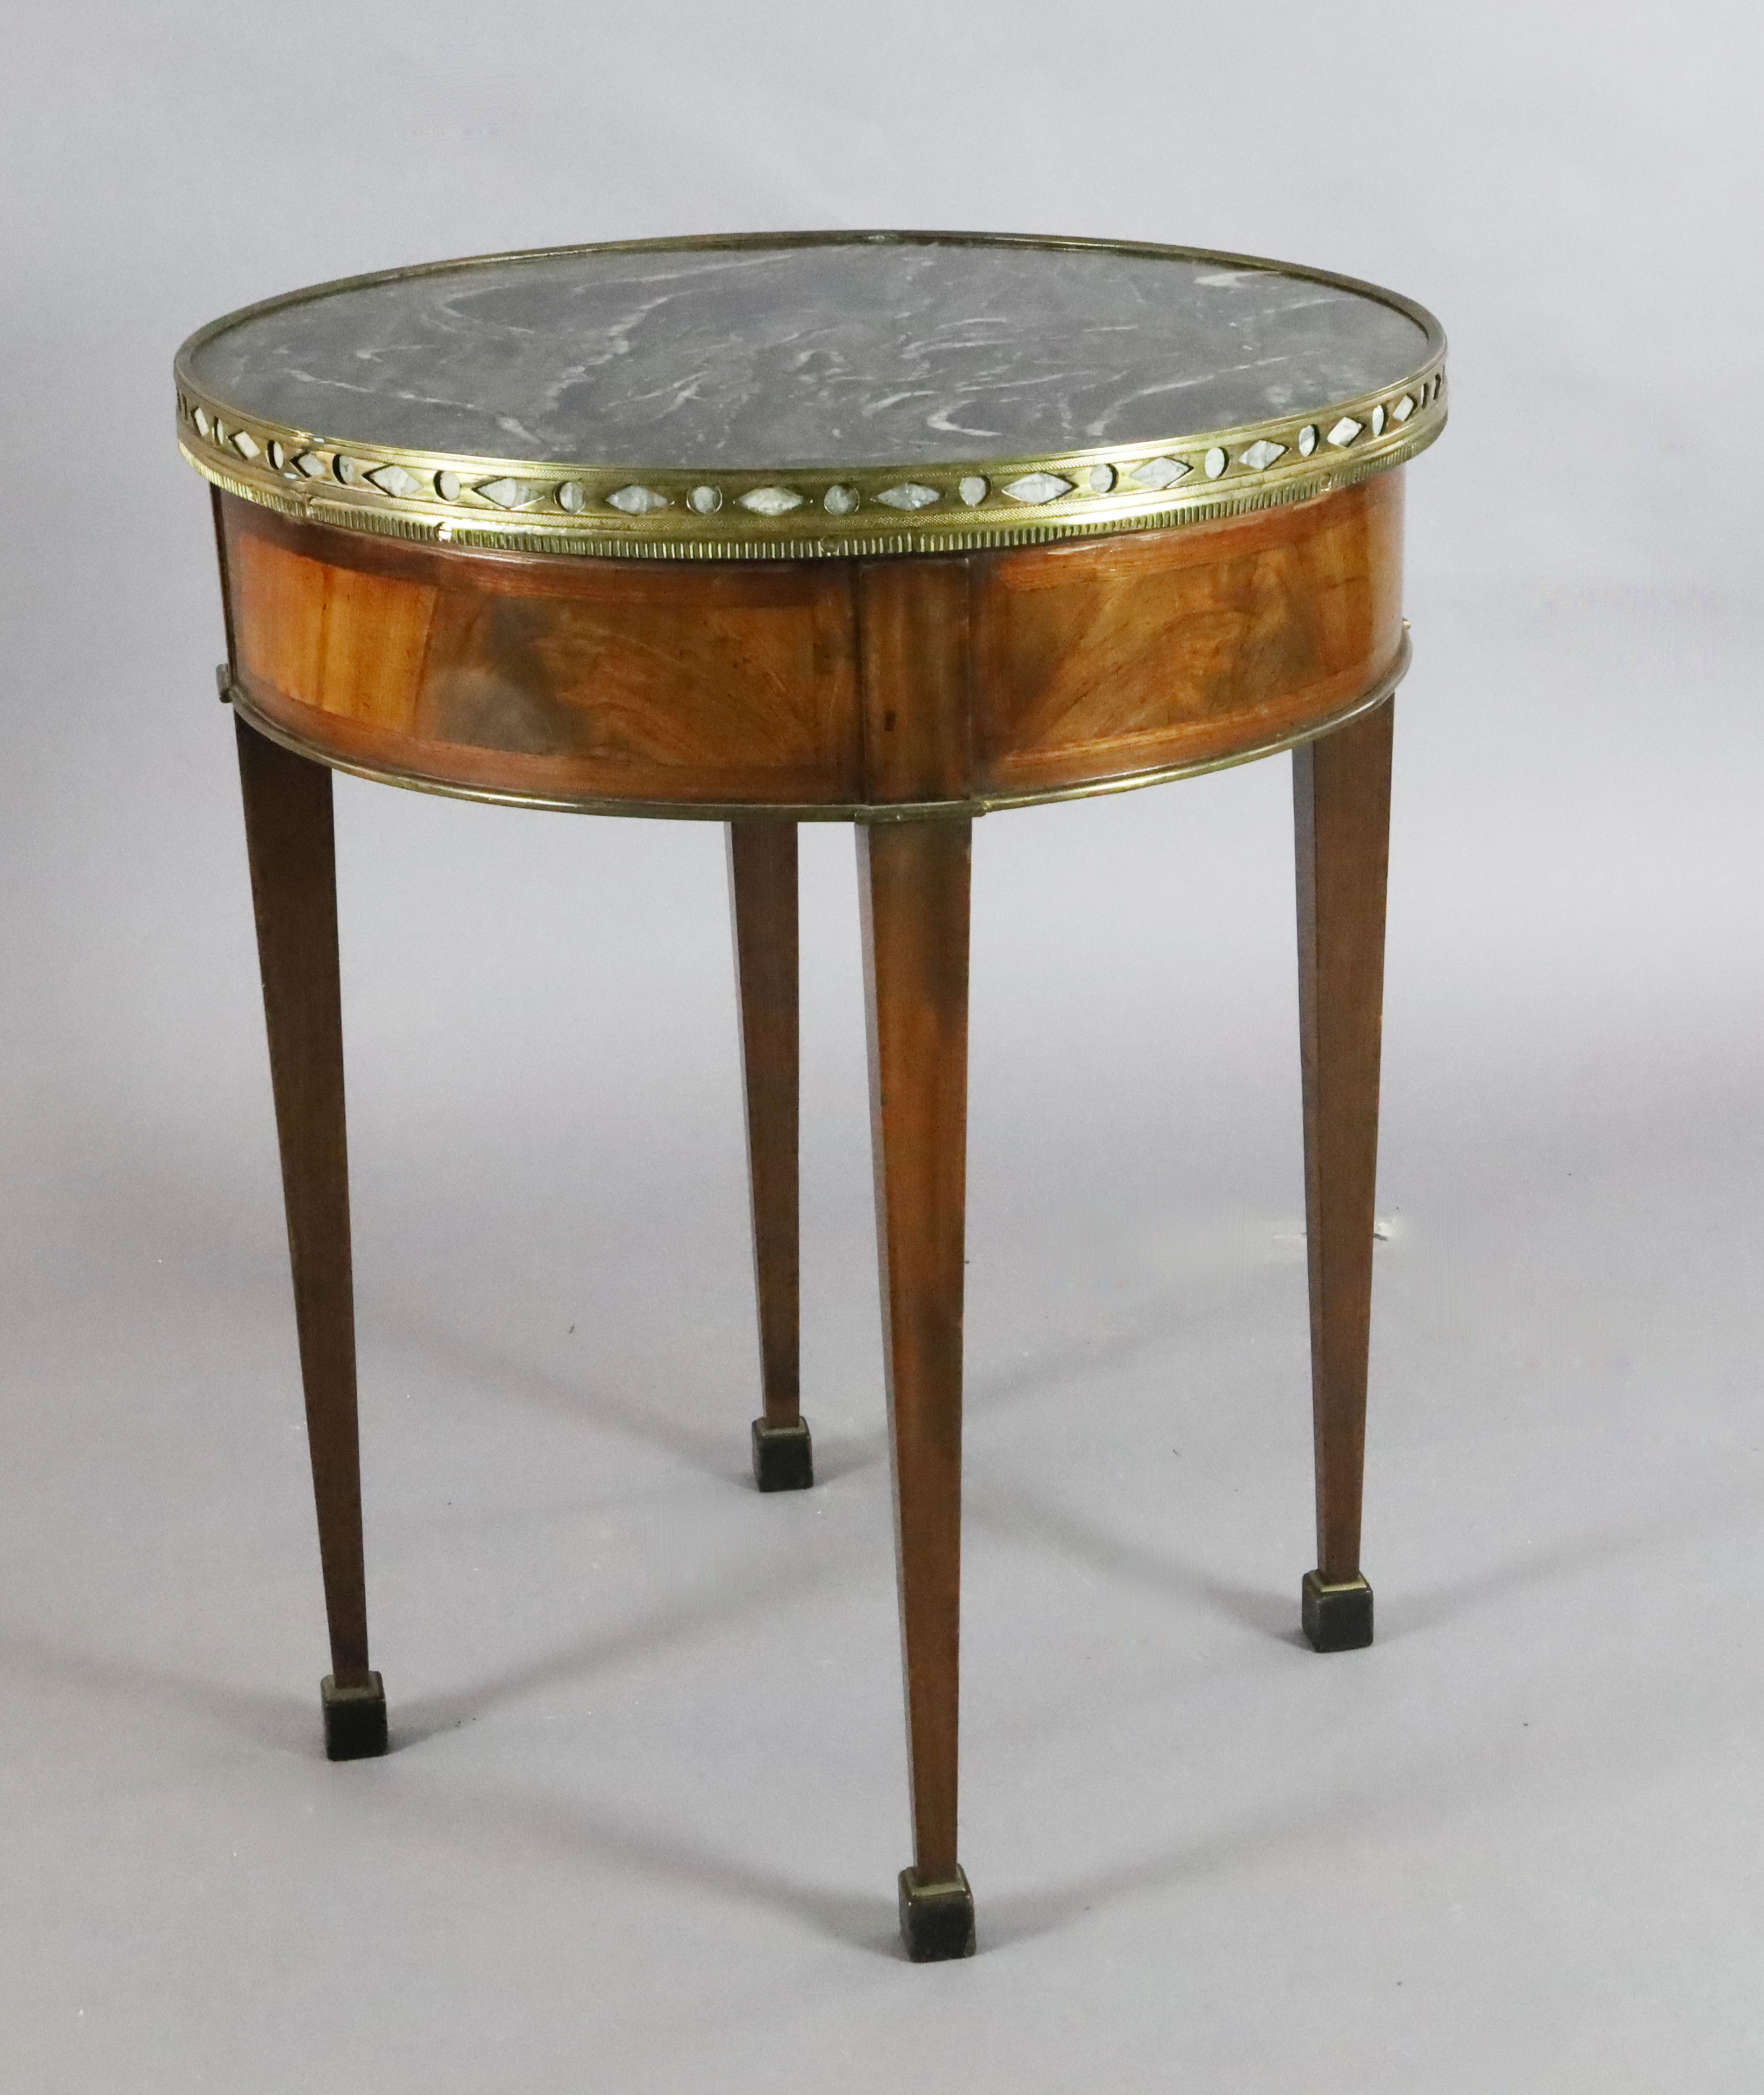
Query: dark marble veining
point(855, 354)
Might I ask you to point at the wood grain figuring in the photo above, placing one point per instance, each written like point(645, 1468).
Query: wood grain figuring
point(1341, 808)
point(549, 676)
point(290, 841)
point(762, 904)
point(818, 683)
point(915, 677)
point(915, 886)
point(1186, 647)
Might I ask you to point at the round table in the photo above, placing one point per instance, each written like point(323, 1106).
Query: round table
point(890, 529)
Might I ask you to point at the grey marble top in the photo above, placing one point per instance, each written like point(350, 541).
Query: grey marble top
point(865, 352)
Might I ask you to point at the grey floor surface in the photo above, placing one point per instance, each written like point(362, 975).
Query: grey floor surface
point(647, 1801)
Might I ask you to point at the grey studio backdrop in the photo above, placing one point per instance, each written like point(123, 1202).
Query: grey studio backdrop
point(648, 1796)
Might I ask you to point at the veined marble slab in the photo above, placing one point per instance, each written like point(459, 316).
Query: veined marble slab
point(865, 352)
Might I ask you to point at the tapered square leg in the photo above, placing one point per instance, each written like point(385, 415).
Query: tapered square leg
point(290, 841)
point(763, 906)
point(1341, 808)
point(914, 881)
point(936, 1920)
point(354, 1719)
point(1336, 1617)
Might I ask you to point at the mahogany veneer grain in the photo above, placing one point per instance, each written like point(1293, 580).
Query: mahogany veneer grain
point(702, 685)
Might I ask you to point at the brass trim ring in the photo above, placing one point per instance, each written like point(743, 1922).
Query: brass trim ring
point(512, 504)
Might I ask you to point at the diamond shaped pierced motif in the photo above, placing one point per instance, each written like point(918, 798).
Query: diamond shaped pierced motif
point(972, 489)
point(1038, 487)
point(771, 501)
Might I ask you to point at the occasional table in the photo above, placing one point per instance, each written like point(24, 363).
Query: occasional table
point(890, 529)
